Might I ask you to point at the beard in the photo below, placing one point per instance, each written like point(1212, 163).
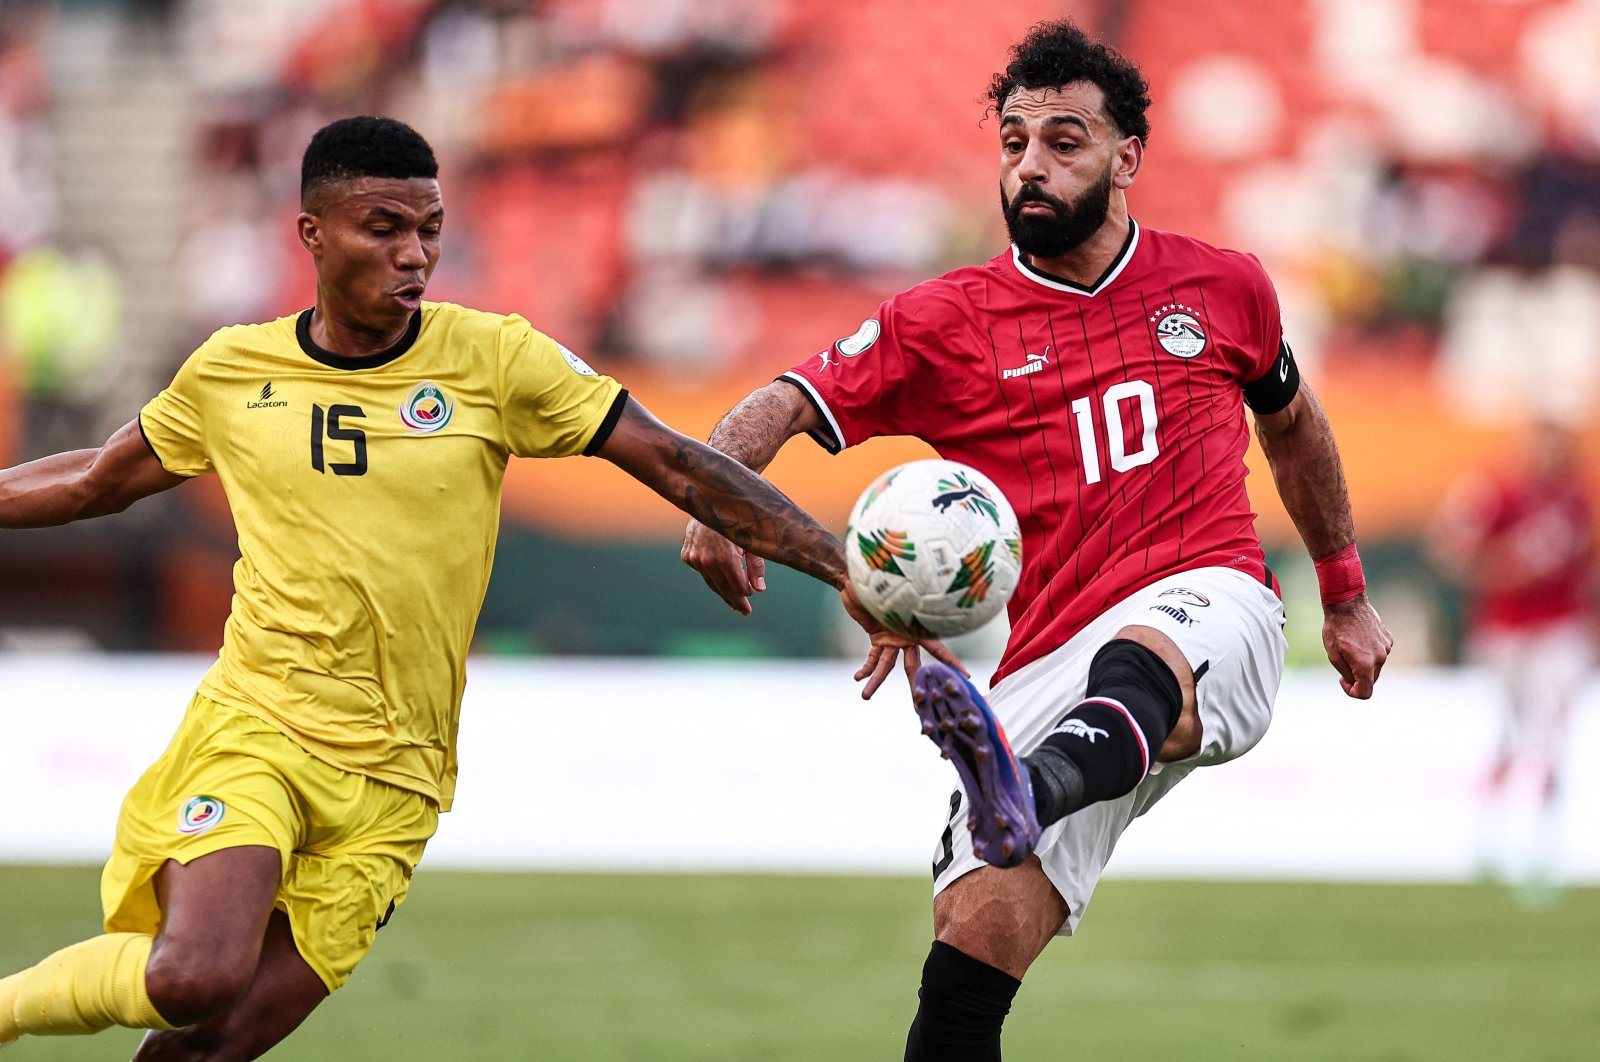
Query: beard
point(1072, 223)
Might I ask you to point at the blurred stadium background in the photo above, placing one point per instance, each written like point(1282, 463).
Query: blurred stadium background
point(695, 194)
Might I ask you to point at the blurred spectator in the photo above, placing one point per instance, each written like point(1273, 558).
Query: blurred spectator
point(1522, 544)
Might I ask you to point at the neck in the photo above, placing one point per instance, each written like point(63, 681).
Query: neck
point(339, 335)
point(1088, 262)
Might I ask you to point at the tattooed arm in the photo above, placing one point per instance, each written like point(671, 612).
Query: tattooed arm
point(728, 499)
point(752, 433)
point(722, 494)
point(1298, 442)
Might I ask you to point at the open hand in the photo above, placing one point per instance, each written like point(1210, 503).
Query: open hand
point(887, 647)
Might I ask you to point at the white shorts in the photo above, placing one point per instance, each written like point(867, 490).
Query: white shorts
point(1230, 629)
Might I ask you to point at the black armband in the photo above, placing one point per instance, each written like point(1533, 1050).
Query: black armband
point(1277, 388)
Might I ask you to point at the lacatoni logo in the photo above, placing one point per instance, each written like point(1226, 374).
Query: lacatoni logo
point(200, 814)
point(1178, 330)
point(426, 409)
point(269, 399)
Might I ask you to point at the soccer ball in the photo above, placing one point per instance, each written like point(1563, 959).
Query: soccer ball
point(933, 549)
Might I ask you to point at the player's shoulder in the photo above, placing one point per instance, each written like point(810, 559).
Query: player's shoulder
point(465, 324)
point(1195, 255)
point(931, 304)
point(238, 343)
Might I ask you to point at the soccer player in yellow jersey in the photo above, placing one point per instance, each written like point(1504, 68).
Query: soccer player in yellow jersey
point(362, 445)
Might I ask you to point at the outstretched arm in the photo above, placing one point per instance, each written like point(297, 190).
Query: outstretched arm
point(752, 433)
point(83, 483)
point(728, 499)
point(723, 494)
point(1299, 445)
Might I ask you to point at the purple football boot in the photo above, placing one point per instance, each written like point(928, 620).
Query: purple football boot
point(999, 792)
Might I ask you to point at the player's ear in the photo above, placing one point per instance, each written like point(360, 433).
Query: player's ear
point(1125, 168)
point(309, 228)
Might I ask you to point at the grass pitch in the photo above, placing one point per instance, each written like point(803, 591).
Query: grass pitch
point(750, 968)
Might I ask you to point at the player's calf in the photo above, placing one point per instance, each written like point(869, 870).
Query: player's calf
point(1107, 743)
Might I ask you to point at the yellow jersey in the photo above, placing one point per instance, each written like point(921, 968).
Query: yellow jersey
point(366, 493)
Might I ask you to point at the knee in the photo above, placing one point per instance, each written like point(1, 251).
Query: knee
point(190, 988)
point(1000, 917)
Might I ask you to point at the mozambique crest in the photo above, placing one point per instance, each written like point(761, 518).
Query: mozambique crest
point(1178, 330)
point(200, 814)
point(426, 409)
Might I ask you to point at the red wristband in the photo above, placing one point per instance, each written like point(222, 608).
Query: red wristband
point(1339, 575)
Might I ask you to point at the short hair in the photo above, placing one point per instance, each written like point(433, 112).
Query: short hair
point(364, 146)
point(1057, 53)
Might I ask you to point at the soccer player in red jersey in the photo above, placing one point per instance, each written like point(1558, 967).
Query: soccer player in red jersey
point(1523, 546)
point(1098, 372)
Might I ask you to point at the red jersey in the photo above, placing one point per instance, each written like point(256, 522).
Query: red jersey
point(1112, 416)
point(1538, 538)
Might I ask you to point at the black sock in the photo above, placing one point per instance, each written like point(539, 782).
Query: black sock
point(964, 1001)
point(1105, 745)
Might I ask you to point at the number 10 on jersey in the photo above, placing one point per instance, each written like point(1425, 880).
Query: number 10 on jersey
point(1111, 404)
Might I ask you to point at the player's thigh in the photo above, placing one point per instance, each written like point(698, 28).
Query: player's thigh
point(1229, 629)
point(214, 911)
point(283, 993)
point(348, 881)
point(212, 794)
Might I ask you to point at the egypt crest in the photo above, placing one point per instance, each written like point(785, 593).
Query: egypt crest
point(426, 409)
point(1178, 330)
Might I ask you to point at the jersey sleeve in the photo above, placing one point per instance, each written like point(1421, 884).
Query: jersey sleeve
point(173, 422)
point(1267, 371)
point(859, 384)
point(552, 404)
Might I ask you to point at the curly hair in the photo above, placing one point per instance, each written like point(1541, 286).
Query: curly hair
point(364, 146)
point(1057, 53)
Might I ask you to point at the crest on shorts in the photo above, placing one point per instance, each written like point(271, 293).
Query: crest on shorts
point(200, 814)
point(426, 409)
point(1178, 330)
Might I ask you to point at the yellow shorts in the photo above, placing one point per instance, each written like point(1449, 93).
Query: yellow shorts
point(228, 780)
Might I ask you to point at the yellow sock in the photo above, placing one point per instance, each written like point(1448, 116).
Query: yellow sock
point(82, 989)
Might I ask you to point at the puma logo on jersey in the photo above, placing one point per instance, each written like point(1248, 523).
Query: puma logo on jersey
point(1078, 728)
point(1034, 363)
point(266, 401)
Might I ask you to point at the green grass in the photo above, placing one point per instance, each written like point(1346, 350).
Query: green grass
point(580, 967)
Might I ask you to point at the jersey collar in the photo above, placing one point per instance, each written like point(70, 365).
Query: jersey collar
point(1055, 283)
point(302, 331)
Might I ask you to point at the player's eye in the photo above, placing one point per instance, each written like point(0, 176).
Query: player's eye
point(1065, 146)
point(1011, 147)
point(431, 233)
